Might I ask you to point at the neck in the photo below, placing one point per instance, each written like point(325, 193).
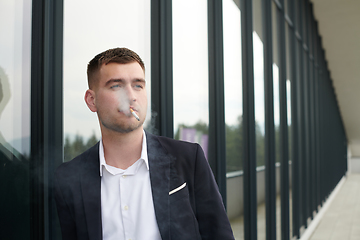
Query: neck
point(122, 150)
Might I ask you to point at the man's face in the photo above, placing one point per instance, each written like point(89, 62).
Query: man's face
point(120, 87)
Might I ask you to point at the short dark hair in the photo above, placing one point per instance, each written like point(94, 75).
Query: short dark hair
point(117, 55)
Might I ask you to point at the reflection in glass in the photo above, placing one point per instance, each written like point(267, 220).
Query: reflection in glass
point(15, 84)
point(233, 85)
point(288, 96)
point(233, 114)
point(260, 128)
point(190, 71)
point(276, 111)
point(276, 96)
point(259, 100)
point(288, 99)
point(99, 28)
point(277, 147)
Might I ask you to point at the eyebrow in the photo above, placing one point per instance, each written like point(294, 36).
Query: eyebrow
point(139, 80)
point(116, 80)
point(113, 81)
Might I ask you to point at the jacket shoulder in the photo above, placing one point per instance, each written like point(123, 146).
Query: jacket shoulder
point(77, 164)
point(172, 145)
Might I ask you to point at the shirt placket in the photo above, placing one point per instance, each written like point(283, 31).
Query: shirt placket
point(126, 206)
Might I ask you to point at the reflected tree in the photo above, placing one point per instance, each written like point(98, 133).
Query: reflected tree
point(234, 142)
point(77, 146)
point(234, 146)
point(200, 127)
point(260, 146)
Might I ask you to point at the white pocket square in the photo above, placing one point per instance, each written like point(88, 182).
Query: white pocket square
point(177, 189)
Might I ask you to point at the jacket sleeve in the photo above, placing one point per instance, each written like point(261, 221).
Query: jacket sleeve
point(210, 212)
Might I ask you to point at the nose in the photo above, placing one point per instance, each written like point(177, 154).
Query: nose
point(131, 94)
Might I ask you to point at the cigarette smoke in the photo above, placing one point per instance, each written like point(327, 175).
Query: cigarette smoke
point(124, 102)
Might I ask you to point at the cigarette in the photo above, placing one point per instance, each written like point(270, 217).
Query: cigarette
point(134, 114)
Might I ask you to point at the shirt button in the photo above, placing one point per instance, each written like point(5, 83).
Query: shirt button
point(126, 207)
point(123, 176)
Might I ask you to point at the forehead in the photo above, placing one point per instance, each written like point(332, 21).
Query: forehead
point(128, 71)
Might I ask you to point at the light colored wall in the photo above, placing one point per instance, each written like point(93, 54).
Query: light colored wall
point(235, 190)
point(354, 165)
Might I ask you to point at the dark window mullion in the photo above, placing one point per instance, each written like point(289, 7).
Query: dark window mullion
point(217, 150)
point(161, 67)
point(249, 182)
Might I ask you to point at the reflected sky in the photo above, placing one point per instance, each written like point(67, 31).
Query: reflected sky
point(190, 62)
point(276, 95)
point(15, 47)
point(102, 25)
point(232, 62)
point(259, 82)
point(86, 36)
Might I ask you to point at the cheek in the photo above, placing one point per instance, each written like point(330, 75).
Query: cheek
point(143, 99)
point(107, 100)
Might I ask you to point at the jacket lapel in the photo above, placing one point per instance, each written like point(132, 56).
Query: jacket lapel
point(91, 192)
point(159, 167)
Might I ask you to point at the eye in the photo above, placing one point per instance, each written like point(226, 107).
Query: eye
point(138, 86)
point(115, 86)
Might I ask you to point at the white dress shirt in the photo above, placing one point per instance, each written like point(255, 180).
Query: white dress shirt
point(127, 208)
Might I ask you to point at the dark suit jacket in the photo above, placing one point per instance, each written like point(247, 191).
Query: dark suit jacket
point(194, 212)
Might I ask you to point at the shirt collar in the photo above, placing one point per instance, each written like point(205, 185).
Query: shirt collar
point(144, 155)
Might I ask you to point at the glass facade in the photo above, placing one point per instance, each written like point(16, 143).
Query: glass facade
point(190, 72)
point(35, 112)
point(15, 110)
point(84, 38)
point(233, 113)
point(233, 85)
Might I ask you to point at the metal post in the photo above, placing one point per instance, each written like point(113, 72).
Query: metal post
point(250, 199)
point(270, 170)
point(217, 150)
point(161, 67)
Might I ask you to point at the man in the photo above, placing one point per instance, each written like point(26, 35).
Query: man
point(132, 184)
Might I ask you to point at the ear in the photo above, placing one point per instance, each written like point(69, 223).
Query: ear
point(90, 100)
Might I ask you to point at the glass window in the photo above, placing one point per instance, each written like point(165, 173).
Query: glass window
point(276, 95)
point(233, 85)
point(190, 71)
point(260, 131)
point(15, 58)
point(288, 98)
point(259, 94)
point(104, 25)
point(233, 114)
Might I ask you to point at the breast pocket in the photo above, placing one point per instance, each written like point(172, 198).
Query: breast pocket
point(179, 192)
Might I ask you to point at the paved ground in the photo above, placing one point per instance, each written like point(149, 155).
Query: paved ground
point(341, 221)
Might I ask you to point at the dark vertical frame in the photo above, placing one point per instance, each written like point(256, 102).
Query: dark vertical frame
point(312, 106)
point(306, 125)
point(294, 121)
point(217, 140)
point(161, 67)
point(318, 121)
point(37, 121)
point(270, 168)
point(46, 114)
point(284, 146)
point(250, 199)
point(301, 115)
